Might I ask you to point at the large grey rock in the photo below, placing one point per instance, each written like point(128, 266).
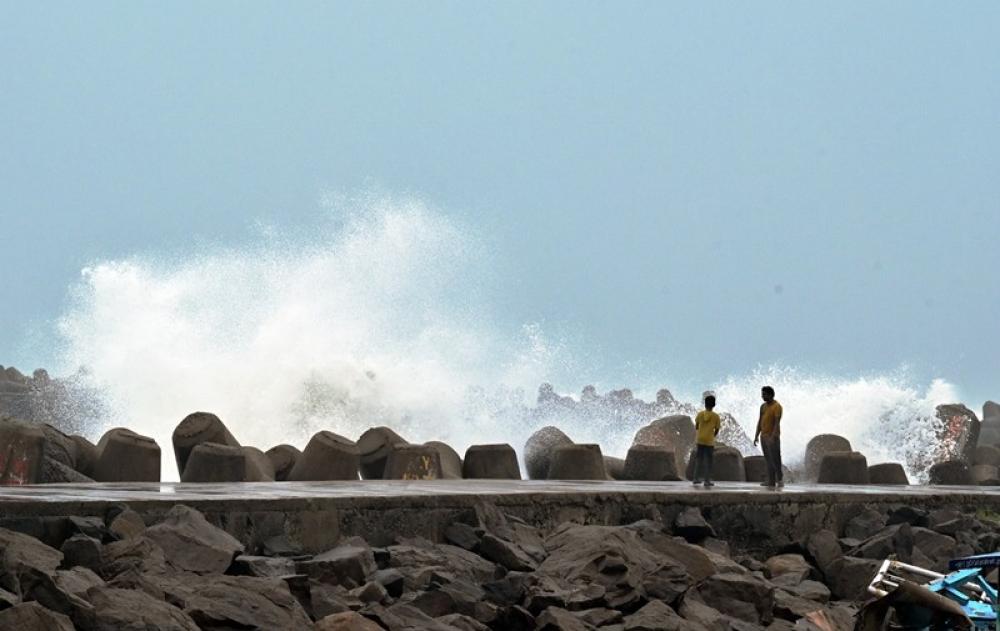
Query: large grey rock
point(656, 616)
point(328, 456)
point(192, 544)
point(818, 447)
point(418, 560)
point(865, 524)
point(36, 454)
point(843, 467)
point(495, 462)
point(991, 409)
point(887, 473)
point(651, 462)
point(577, 462)
point(413, 462)
point(198, 428)
point(674, 432)
point(113, 609)
point(140, 554)
point(451, 462)
point(824, 548)
point(346, 621)
point(349, 564)
point(374, 447)
point(738, 595)
point(950, 472)
point(81, 550)
point(32, 616)
point(19, 551)
point(215, 462)
point(788, 564)
point(236, 602)
point(124, 456)
point(848, 577)
point(283, 458)
point(538, 451)
point(691, 525)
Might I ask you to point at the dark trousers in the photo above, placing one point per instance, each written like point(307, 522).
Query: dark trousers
point(703, 463)
point(771, 446)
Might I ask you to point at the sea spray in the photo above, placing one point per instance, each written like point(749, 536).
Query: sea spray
point(383, 318)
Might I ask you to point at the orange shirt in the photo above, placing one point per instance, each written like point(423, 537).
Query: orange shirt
point(769, 417)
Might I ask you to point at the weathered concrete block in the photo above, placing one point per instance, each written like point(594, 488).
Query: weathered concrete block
point(961, 431)
point(755, 468)
point(374, 447)
point(283, 458)
point(212, 462)
point(887, 473)
point(195, 429)
point(258, 465)
point(987, 454)
point(577, 462)
point(413, 462)
point(954, 472)
point(22, 449)
point(674, 432)
point(615, 467)
point(328, 456)
point(651, 462)
point(491, 462)
point(86, 455)
point(451, 462)
point(727, 465)
point(538, 450)
point(989, 431)
point(819, 446)
point(845, 467)
point(985, 475)
point(124, 456)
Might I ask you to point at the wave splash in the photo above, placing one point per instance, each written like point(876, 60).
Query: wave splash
point(382, 318)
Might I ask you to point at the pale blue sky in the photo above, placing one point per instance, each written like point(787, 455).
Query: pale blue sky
point(705, 185)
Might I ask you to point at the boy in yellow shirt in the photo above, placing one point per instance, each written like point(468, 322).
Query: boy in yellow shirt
point(706, 426)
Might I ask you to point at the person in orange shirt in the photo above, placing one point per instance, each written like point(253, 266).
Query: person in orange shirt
point(769, 435)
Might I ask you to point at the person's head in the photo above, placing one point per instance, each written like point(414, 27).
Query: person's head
point(709, 402)
point(767, 393)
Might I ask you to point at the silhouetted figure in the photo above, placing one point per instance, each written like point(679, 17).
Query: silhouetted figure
point(769, 435)
point(706, 425)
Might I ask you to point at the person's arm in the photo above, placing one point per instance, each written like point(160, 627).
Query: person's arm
point(777, 418)
point(718, 424)
point(756, 434)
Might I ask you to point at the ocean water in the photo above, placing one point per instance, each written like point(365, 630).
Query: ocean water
point(383, 317)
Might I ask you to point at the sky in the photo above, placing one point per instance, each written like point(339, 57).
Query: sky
point(703, 186)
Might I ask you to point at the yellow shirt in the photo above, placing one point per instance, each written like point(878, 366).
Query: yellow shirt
point(707, 425)
point(769, 417)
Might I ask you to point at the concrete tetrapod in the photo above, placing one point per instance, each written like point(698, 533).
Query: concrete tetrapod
point(953, 472)
point(727, 465)
point(819, 446)
point(887, 473)
point(577, 462)
point(212, 462)
point(124, 456)
point(674, 432)
point(651, 462)
point(538, 450)
point(985, 475)
point(615, 467)
point(451, 462)
point(197, 428)
point(86, 455)
point(413, 462)
point(843, 467)
point(984, 454)
point(283, 458)
point(258, 465)
point(491, 462)
point(755, 468)
point(328, 456)
point(374, 447)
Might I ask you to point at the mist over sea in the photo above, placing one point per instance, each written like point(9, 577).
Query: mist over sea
point(379, 317)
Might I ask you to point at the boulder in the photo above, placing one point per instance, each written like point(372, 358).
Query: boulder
point(126, 524)
point(374, 447)
point(985, 475)
point(691, 525)
point(887, 473)
point(577, 462)
point(755, 468)
point(558, 619)
point(950, 472)
point(538, 451)
point(258, 465)
point(235, 602)
point(86, 455)
point(656, 616)
point(328, 456)
point(261, 566)
point(451, 462)
point(139, 554)
point(124, 456)
point(491, 462)
point(192, 544)
point(848, 577)
point(673, 432)
point(741, 596)
point(818, 447)
point(793, 565)
point(843, 467)
point(413, 462)
point(346, 621)
point(506, 554)
point(195, 429)
point(650, 462)
point(349, 564)
point(959, 435)
point(83, 551)
point(32, 616)
point(824, 548)
point(283, 459)
point(615, 467)
point(113, 608)
point(214, 462)
point(865, 524)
